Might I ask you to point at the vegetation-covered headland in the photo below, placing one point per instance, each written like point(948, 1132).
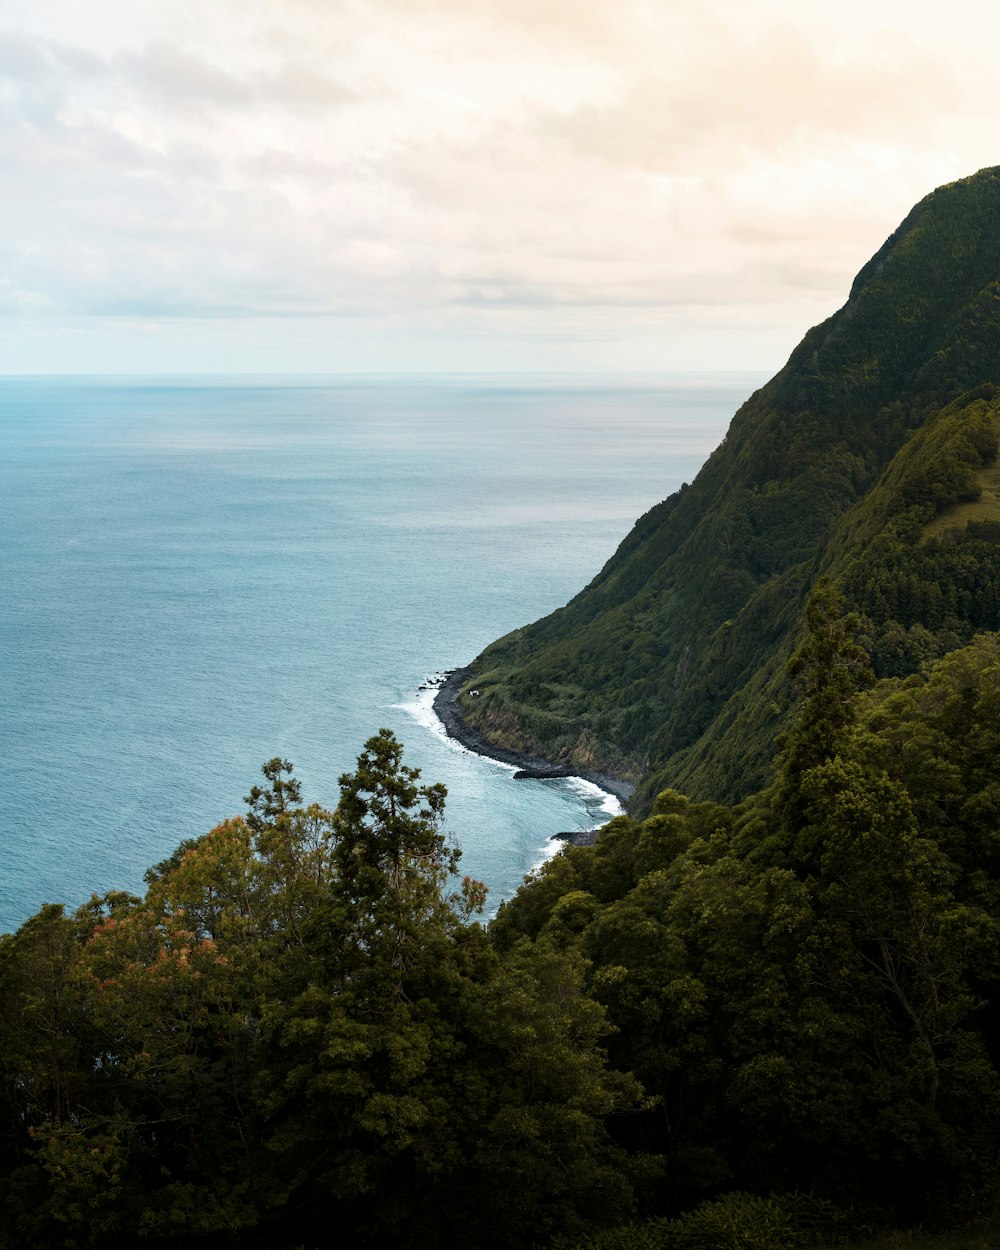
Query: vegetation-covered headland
point(870, 458)
point(765, 1016)
point(448, 708)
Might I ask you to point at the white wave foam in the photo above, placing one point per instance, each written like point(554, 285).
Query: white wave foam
point(601, 805)
point(596, 799)
point(421, 708)
point(549, 851)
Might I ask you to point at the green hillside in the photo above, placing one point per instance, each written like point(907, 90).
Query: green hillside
point(870, 456)
point(770, 1024)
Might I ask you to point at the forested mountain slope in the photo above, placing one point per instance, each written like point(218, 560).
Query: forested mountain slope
point(767, 1023)
point(870, 456)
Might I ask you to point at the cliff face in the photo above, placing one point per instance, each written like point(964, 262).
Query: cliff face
point(668, 669)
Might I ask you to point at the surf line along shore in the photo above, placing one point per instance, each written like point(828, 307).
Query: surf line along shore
point(533, 767)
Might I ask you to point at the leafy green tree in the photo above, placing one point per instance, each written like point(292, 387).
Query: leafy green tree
point(391, 858)
point(417, 1078)
point(355, 1080)
point(938, 734)
point(830, 666)
point(539, 1054)
point(890, 892)
point(269, 804)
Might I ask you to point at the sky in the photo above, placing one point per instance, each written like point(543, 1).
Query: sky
point(449, 185)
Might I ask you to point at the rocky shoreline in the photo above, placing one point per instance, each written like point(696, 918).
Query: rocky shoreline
point(449, 713)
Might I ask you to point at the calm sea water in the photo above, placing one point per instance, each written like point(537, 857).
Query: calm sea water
point(199, 575)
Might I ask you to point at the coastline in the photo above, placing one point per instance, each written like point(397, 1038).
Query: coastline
point(449, 713)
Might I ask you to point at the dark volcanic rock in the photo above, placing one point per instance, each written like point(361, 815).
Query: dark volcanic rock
point(543, 774)
point(578, 837)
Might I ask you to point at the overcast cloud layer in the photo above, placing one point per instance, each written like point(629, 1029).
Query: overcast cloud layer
point(309, 185)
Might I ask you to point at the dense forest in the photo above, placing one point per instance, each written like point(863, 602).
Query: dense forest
point(762, 1012)
point(772, 1024)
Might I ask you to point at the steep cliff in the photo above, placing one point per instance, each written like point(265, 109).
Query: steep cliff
point(668, 668)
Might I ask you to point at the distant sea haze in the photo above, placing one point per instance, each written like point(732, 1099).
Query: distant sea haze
point(201, 574)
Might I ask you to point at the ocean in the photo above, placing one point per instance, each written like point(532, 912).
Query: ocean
point(199, 574)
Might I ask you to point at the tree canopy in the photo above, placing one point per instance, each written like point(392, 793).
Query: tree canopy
point(709, 1013)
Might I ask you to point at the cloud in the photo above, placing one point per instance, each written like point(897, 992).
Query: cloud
point(475, 167)
point(726, 105)
point(184, 80)
point(182, 77)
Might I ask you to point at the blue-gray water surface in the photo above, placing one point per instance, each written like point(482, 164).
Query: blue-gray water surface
point(198, 575)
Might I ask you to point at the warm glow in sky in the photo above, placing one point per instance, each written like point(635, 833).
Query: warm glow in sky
point(398, 185)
